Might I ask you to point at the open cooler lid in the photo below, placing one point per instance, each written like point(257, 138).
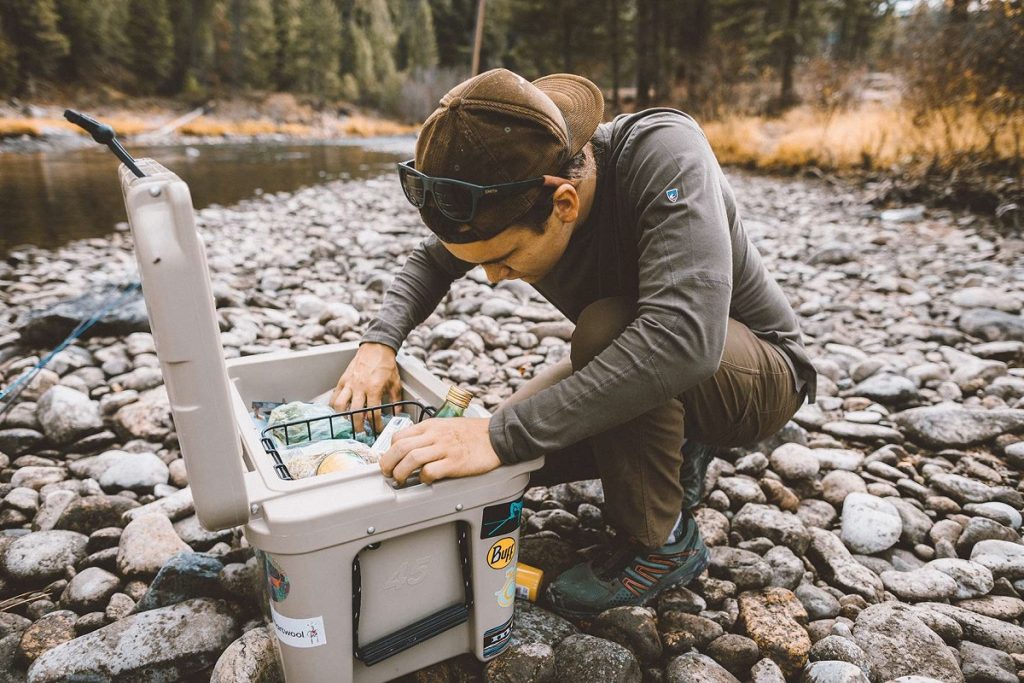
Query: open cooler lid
point(176, 287)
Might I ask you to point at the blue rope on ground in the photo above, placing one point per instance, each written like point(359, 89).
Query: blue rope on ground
point(11, 392)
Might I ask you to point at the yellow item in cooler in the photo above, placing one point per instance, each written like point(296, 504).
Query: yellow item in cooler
point(528, 580)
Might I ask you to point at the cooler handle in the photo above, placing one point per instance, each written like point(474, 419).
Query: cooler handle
point(419, 631)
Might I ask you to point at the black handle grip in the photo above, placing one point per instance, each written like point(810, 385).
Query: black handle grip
point(103, 134)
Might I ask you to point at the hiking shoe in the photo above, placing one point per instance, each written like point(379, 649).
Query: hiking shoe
point(696, 458)
point(628, 575)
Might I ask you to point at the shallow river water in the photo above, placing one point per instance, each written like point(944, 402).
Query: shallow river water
point(50, 198)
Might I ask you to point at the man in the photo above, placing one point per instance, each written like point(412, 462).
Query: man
point(631, 230)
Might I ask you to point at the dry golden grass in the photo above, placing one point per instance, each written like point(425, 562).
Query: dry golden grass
point(365, 127)
point(870, 137)
point(37, 127)
point(353, 126)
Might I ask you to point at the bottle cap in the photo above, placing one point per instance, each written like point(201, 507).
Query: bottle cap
point(459, 397)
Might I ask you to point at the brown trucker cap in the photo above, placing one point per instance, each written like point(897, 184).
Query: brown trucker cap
point(500, 128)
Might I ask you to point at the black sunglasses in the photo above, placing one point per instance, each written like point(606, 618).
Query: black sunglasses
point(458, 200)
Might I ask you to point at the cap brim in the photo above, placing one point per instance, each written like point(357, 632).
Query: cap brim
point(581, 103)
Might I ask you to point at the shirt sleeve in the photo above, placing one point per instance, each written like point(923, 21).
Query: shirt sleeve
point(425, 278)
point(669, 175)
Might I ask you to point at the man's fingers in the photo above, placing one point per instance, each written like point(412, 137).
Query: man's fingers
point(398, 451)
point(342, 395)
point(410, 432)
point(435, 470)
point(414, 460)
point(358, 403)
point(378, 418)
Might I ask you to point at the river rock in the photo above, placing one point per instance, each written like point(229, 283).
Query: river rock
point(170, 643)
point(819, 603)
point(999, 512)
point(735, 653)
point(833, 672)
point(973, 579)
point(48, 326)
point(535, 624)
point(697, 668)
point(95, 512)
point(992, 325)
point(919, 585)
point(916, 524)
point(793, 461)
point(583, 659)
point(632, 627)
point(146, 544)
point(782, 528)
point(250, 659)
point(742, 567)
point(838, 484)
point(828, 551)
point(987, 631)
point(185, 575)
point(897, 643)
point(886, 388)
point(953, 426)
point(962, 489)
point(774, 618)
point(42, 556)
point(48, 632)
point(1002, 558)
point(870, 524)
point(67, 415)
point(90, 590)
point(148, 418)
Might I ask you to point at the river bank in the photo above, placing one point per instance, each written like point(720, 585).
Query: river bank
point(876, 536)
point(278, 117)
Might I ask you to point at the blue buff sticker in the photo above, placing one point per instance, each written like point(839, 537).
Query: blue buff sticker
point(498, 638)
point(501, 519)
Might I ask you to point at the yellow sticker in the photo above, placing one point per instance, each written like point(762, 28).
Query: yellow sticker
point(501, 553)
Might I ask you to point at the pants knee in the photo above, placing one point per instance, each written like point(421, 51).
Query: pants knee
point(598, 325)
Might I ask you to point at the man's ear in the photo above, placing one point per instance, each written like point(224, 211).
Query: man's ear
point(566, 203)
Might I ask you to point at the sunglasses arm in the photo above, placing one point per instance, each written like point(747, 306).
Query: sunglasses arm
point(555, 181)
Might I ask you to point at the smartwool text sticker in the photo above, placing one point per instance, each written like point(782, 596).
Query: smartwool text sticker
point(501, 519)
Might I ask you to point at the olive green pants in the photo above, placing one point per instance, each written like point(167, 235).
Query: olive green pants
point(748, 399)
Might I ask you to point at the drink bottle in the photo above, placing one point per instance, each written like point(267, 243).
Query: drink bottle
point(455, 403)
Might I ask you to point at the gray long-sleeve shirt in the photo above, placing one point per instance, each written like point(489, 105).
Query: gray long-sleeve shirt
point(663, 229)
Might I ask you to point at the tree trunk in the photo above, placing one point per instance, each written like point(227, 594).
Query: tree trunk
point(643, 53)
point(613, 33)
point(958, 13)
point(786, 96)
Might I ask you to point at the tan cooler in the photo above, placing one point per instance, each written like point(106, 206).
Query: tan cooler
point(364, 581)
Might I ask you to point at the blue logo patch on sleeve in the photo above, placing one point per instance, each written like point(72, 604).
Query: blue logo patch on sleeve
point(672, 194)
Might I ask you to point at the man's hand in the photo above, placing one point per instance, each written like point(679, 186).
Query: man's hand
point(369, 380)
point(441, 448)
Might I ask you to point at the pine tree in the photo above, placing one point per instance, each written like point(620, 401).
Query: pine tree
point(84, 24)
point(259, 44)
point(313, 58)
point(286, 31)
point(419, 42)
point(8, 64)
point(373, 37)
point(151, 36)
point(38, 42)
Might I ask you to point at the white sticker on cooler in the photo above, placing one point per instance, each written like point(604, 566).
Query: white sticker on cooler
point(307, 632)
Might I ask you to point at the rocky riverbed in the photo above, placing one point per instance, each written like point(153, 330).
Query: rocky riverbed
point(876, 538)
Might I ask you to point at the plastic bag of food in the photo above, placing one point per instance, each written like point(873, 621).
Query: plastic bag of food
point(323, 457)
point(314, 431)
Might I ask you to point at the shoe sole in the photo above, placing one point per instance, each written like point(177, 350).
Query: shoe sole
point(666, 583)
